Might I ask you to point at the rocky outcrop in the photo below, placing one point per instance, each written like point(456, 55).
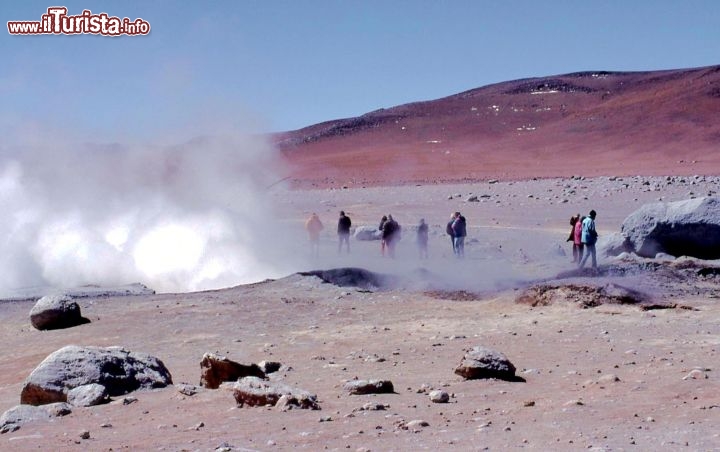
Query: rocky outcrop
point(356, 387)
point(118, 370)
point(12, 419)
point(683, 228)
point(253, 391)
point(215, 369)
point(481, 362)
point(56, 311)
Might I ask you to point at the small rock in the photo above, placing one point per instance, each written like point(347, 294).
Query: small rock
point(373, 406)
point(269, 367)
point(357, 387)
point(188, 390)
point(416, 424)
point(695, 374)
point(481, 362)
point(84, 434)
point(439, 396)
point(253, 391)
point(609, 378)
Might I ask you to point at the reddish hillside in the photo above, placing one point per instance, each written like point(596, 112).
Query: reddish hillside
point(589, 123)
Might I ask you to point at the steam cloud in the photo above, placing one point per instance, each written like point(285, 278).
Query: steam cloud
point(177, 218)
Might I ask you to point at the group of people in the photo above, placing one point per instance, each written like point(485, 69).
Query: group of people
point(584, 236)
point(390, 233)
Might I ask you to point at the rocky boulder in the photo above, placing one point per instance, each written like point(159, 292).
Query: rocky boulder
point(215, 369)
point(369, 387)
point(253, 391)
point(367, 233)
point(481, 362)
point(118, 370)
point(56, 311)
point(682, 228)
point(16, 416)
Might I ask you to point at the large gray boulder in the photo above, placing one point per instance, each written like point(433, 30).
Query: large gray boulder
point(16, 416)
point(682, 228)
point(56, 311)
point(367, 233)
point(481, 362)
point(118, 370)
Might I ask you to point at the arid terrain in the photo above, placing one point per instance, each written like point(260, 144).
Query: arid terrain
point(612, 377)
point(595, 371)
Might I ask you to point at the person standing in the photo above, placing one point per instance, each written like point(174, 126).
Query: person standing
point(571, 237)
point(313, 226)
point(459, 227)
point(450, 232)
point(391, 235)
point(383, 244)
point(343, 231)
point(589, 238)
point(577, 240)
point(422, 239)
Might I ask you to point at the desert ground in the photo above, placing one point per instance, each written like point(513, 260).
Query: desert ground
point(607, 378)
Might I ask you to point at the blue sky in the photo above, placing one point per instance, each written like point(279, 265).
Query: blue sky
point(264, 65)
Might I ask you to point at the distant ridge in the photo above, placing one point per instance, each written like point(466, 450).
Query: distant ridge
point(589, 123)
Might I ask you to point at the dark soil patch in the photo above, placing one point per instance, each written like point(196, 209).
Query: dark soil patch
point(586, 296)
point(453, 295)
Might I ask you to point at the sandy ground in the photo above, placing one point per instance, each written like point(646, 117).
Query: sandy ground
point(325, 335)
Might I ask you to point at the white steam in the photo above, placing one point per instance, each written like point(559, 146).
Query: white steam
point(177, 218)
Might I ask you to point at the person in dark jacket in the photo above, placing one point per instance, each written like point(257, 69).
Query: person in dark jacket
point(450, 232)
point(391, 235)
point(343, 231)
point(422, 239)
point(459, 227)
point(383, 244)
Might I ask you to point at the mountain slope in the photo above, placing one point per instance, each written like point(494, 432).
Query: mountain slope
point(589, 123)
